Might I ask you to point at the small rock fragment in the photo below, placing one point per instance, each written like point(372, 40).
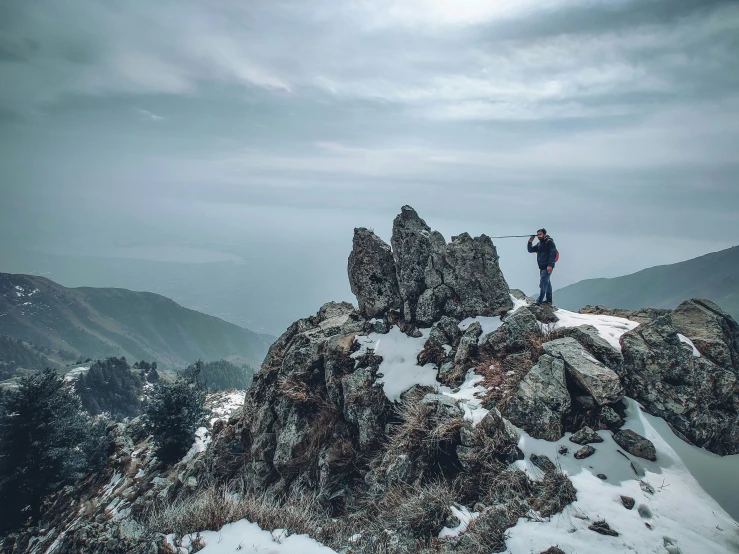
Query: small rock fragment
point(602, 476)
point(585, 452)
point(603, 528)
point(562, 450)
point(586, 435)
point(628, 502)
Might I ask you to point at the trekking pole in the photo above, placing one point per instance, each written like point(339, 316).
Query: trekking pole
point(514, 236)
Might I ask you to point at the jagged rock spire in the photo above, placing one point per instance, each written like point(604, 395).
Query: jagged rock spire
point(424, 275)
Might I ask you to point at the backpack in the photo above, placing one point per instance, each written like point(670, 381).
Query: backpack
point(556, 256)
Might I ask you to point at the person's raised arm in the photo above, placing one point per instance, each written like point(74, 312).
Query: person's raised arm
point(529, 247)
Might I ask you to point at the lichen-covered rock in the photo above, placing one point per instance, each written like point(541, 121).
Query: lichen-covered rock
point(585, 436)
point(609, 419)
point(468, 343)
point(544, 313)
point(602, 383)
point(542, 462)
point(585, 452)
point(372, 275)
point(697, 395)
point(460, 279)
point(514, 334)
point(542, 400)
point(635, 444)
point(713, 332)
point(588, 336)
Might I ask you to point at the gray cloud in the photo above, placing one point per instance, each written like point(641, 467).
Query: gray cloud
point(238, 132)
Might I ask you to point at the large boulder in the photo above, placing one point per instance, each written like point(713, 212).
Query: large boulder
point(372, 275)
point(460, 279)
point(635, 444)
point(590, 338)
point(697, 395)
point(713, 332)
point(542, 400)
point(591, 375)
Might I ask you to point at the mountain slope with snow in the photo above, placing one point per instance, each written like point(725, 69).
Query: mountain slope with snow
point(99, 322)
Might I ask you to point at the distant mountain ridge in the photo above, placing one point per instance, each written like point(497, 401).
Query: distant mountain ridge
point(101, 322)
point(714, 276)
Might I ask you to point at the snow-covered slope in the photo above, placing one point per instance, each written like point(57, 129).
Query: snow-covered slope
point(672, 513)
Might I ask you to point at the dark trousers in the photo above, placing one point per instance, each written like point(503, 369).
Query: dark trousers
point(545, 285)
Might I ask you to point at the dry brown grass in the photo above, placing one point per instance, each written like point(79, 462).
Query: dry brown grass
point(212, 507)
point(422, 429)
point(300, 392)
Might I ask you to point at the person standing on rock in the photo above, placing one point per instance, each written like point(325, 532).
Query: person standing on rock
point(546, 256)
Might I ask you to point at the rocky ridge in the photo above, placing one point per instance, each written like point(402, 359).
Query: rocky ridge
point(488, 367)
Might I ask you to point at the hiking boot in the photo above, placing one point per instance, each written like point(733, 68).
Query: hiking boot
point(547, 302)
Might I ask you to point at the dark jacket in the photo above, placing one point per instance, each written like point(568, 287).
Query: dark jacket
point(545, 252)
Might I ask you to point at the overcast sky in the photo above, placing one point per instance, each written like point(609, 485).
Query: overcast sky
point(253, 136)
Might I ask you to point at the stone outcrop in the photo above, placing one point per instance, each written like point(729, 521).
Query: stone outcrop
point(697, 395)
point(591, 375)
point(372, 275)
point(459, 279)
point(542, 400)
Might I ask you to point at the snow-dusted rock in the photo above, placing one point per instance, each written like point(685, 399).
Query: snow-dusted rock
point(697, 396)
point(599, 381)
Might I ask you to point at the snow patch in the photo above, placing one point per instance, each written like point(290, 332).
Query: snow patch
point(464, 516)
point(488, 324)
point(679, 509)
point(517, 304)
point(202, 439)
point(609, 327)
point(74, 374)
point(689, 342)
point(399, 368)
point(467, 396)
point(249, 537)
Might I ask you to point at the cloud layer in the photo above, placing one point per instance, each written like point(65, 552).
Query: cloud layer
point(614, 120)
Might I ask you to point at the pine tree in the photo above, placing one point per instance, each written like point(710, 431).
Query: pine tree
point(110, 386)
point(175, 413)
point(46, 443)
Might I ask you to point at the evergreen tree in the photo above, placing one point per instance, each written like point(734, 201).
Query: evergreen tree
point(222, 374)
point(46, 443)
point(175, 413)
point(110, 386)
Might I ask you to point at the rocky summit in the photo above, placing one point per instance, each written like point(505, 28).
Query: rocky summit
point(423, 276)
point(427, 416)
